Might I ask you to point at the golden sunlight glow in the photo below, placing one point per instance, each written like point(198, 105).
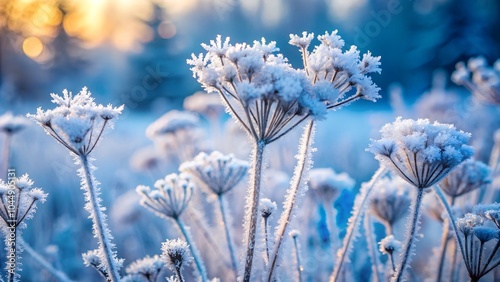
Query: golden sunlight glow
point(32, 47)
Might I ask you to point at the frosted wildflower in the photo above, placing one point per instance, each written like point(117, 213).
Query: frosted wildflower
point(93, 259)
point(21, 192)
point(328, 184)
point(175, 253)
point(218, 172)
point(169, 197)
point(467, 177)
point(295, 233)
point(172, 122)
point(208, 104)
point(478, 254)
point(148, 267)
point(390, 200)
point(489, 211)
point(421, 152)
point(145, 159)
point(11, 124)
point(479, 78)
point(267, 208)
point(77, 122)
point(389, 245)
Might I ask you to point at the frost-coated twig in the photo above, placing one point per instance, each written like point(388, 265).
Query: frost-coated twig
point(100, 227)
point(360, 205)
point(225, 224)
point(61, 276)
point(408, 247)
point(300, 268)
point(252, 208)
point(194, 251)
point(370, 239)
point(296, 191)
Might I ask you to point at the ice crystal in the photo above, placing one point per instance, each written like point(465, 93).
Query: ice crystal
point(421, 152)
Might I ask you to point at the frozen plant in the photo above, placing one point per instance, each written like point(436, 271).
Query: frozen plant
point(422, 153)
point(390, 201)
point(176, 131)
point(9, 125)
point(78, 123)
point(219, 174)
point(295, 234)
point(168, 199)
point(480, 79)
point(388, 246)
point(175, 253)
point(465, 178)
point(267, 208)
point(18, 202)
point(207, 104)
point(148, 268)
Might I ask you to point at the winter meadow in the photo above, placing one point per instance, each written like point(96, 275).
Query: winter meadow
point(250, 140)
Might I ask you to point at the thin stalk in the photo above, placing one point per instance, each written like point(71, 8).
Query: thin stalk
point(371, 247)
point(253, 205)
point(442, 197)
point(454, 269)
point(357, 214)
point(300, 268)
point(194, 252)
point(393, 263)
point(98, 222)
point(178, 272)
point(43, 263)
point(266, 237)
point(6, 154)
point(415, 216)
point(225, 224)
point(292, 194)
point(444, 247)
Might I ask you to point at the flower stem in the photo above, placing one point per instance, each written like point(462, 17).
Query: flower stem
point(299, 261)
point(444, 247)
point(179, 274)
point(371, 246)
point(299, 178)
point(98, 220)
point(408, 246)
point(253, 204)
point(194, 251)
point(266, 238)
point(225, 224)
point(44, 263)
point(357, 214)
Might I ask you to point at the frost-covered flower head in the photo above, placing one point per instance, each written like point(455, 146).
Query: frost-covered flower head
point(389, 245)
point(390, 200)
point(25, 197)
point(169, 197)
point(468, 222)
point(11, 124)
point(207, 104)
point(175, 253)
point(467, 177)
point(77, 122)
point(148, 267)
point(172, 122)
point(335, 72)
point(267, 207)
point(295, 233)
point(266, 95)
point(328, 184)
point(489, 212)
point(421, 152)
point(479, 78)
point(218, 172)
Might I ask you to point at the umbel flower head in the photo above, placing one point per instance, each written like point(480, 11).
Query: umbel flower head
point(171, 123)
point(480, 79)
point(11, 124)
point(328, 184)
point(169, 197)
point(390, 200)
point(148, 267)
point(175, 253)
point(25, 199)
point(421, 152)
point(467, 177)
point(77, 122)
point(218, 172)
point(269, 97)
point(389, 245)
